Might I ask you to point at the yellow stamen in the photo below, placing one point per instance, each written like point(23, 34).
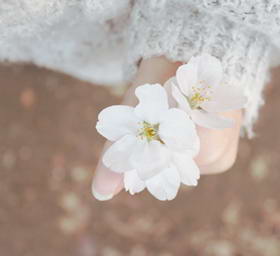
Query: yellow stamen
point(149, 132)
point(199, 96)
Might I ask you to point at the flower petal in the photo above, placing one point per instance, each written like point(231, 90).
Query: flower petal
point(133, 183)
point(116, 157)
point(116, 121)
point(210, 120)
point(148, 158)
point(181, 99)
point(225, 98)
point(168, 87)
point(187, 168)
point(186, 76)
point(165, 185)
point(152, 104)
point(178, 132)
point(209, 70)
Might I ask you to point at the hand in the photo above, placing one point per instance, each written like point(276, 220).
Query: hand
point(218, 147)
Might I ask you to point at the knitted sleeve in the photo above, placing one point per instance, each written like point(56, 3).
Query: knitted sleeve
point(179, 30)
point(30, 17)
point(259, 15)
point(104, 10)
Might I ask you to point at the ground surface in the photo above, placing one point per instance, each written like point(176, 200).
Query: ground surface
point(48, 151)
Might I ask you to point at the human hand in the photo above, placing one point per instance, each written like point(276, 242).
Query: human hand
point(218, 148)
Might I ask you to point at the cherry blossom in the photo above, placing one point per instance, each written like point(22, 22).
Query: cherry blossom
point(199, 91)
point(153, 145)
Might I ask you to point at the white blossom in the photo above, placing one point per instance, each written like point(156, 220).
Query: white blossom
point(153, 145)
point(199, 91)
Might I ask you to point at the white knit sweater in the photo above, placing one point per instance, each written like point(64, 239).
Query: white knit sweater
point(90, 39)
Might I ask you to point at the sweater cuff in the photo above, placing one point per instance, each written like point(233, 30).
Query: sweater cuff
point(179, 32)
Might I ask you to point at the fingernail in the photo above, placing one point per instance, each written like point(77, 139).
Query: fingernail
point(105, 183)
point(101, 197)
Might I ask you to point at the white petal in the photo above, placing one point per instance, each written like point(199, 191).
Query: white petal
point(178, 132)
point(168, 88)
point(181, 99)
point(210, 120)
point(225, 98)
point(117, 156)
point(152, 104)
point(187, 168)
point(165, 185)
point(116, 121)
point(133, 183)
point(209, 70)
point(186, 76)
point(148, 158)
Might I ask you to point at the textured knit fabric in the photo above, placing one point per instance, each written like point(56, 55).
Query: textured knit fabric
point(90, 39)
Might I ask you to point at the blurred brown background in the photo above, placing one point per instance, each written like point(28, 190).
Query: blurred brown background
point(48, 151)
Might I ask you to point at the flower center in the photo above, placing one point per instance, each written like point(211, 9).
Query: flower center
point(199, 95)
point(149, 132)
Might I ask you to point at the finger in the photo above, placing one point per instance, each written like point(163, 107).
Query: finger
point(219, 147)
point(106, 183)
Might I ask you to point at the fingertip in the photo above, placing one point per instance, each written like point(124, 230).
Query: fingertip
point(106, 183)
point(101, 197)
